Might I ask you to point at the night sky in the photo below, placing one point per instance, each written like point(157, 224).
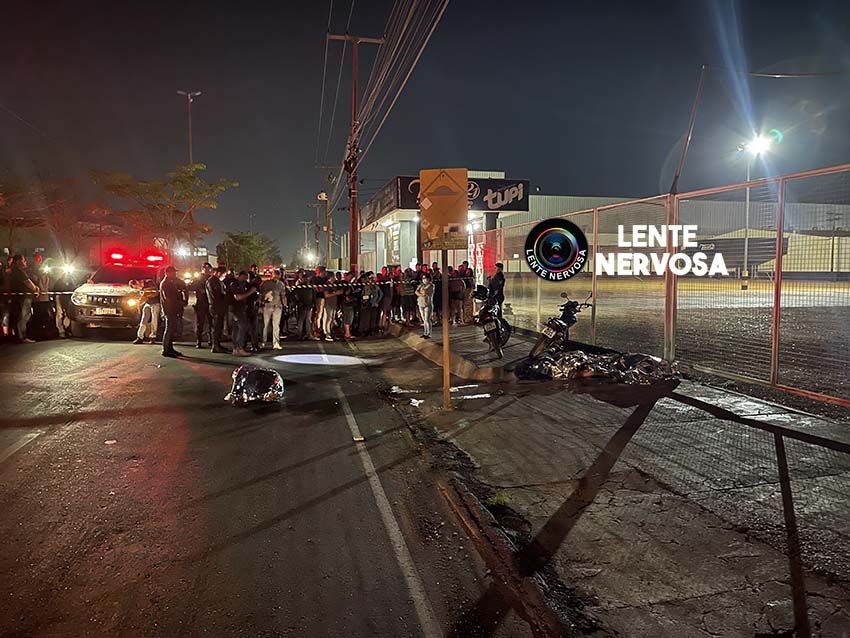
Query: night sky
point(580, 98)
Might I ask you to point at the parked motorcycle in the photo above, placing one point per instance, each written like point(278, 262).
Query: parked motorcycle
point(556, 332)
point(497, 330)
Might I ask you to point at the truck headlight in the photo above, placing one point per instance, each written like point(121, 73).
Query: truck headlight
point(78, 298)
point(132, 303)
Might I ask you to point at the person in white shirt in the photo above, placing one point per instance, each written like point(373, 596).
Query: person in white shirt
point(273, 296)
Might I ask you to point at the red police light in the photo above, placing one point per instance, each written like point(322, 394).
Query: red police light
point(155, 258)
point(116, 256)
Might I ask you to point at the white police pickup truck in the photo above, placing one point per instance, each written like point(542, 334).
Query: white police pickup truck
point(107, 300)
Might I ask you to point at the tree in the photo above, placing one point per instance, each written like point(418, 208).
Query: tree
point(240, 250)
point(22, 205)
point(166, 209)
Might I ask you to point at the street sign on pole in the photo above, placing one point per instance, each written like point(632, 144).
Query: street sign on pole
point(443, 208)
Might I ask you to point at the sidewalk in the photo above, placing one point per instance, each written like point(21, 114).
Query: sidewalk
point(470, 357)
point(663, 511)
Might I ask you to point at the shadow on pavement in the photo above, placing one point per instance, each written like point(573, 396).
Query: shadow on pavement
point(490, 610)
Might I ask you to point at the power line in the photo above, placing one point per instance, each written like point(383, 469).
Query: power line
point(324, 74)
point(408, 34)
point(29, 124)
point(442, 10)
point(338, 80)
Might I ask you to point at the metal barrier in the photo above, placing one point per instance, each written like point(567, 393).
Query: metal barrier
point(780, 317)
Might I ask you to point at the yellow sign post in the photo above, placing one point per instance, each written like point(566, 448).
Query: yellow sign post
point(443, 209)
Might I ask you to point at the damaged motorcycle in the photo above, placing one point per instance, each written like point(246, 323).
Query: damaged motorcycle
point(557, 329)
point(552, 358)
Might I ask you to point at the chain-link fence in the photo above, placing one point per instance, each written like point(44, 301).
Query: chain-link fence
point(780, 316)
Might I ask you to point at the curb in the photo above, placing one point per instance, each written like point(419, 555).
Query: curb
point(499, 554)
point(459, 366)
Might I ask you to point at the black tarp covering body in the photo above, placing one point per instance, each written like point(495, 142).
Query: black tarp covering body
point(632, 368)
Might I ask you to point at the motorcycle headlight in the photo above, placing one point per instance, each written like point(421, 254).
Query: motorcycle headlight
point(78, 298)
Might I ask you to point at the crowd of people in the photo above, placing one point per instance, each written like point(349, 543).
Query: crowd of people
point(253, 313)
point(24, 298)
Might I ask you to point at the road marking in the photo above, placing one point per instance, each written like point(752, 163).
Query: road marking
point(427, 621)
point(17, 445)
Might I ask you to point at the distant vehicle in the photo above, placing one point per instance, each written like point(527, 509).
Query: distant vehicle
point(107, 300)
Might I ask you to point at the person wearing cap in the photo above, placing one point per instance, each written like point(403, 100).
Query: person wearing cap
point(172, 294)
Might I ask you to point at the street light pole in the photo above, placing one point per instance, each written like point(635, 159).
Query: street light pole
point(745, 274)
point(753, 148)
point(190, 96)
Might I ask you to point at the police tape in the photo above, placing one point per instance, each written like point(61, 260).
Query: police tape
point(342, 284)
point(34, 294)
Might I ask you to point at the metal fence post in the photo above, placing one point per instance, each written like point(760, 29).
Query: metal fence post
point(777, 284)
point(594, 249)
point(670, 285)
point(539, 289)
point(792, 534)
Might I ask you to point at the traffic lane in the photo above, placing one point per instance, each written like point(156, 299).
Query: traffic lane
point(84, 506)
point(166, 530)
point(298, 543)
point(136, 518)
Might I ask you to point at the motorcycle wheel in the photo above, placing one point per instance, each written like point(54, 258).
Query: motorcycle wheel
point(540, 347)
point(505, 332)
point(495, 344)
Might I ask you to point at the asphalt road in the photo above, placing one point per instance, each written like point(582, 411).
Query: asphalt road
point(135, 501)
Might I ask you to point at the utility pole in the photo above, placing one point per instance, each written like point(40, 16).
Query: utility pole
point(306, 241)
point(324, 197)
point(353, 150)
point(190, 97)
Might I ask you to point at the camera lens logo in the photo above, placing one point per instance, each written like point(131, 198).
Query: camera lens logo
point(556, 249)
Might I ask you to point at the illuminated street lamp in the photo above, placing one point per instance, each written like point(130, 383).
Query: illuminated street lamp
point(759, 145)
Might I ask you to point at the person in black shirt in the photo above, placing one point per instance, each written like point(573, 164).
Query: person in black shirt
point(240, 291)
point(252, 308)
point(172, 295)
point(496, 285)
point(305, 298)
point(202, 306)
point(216, 294)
